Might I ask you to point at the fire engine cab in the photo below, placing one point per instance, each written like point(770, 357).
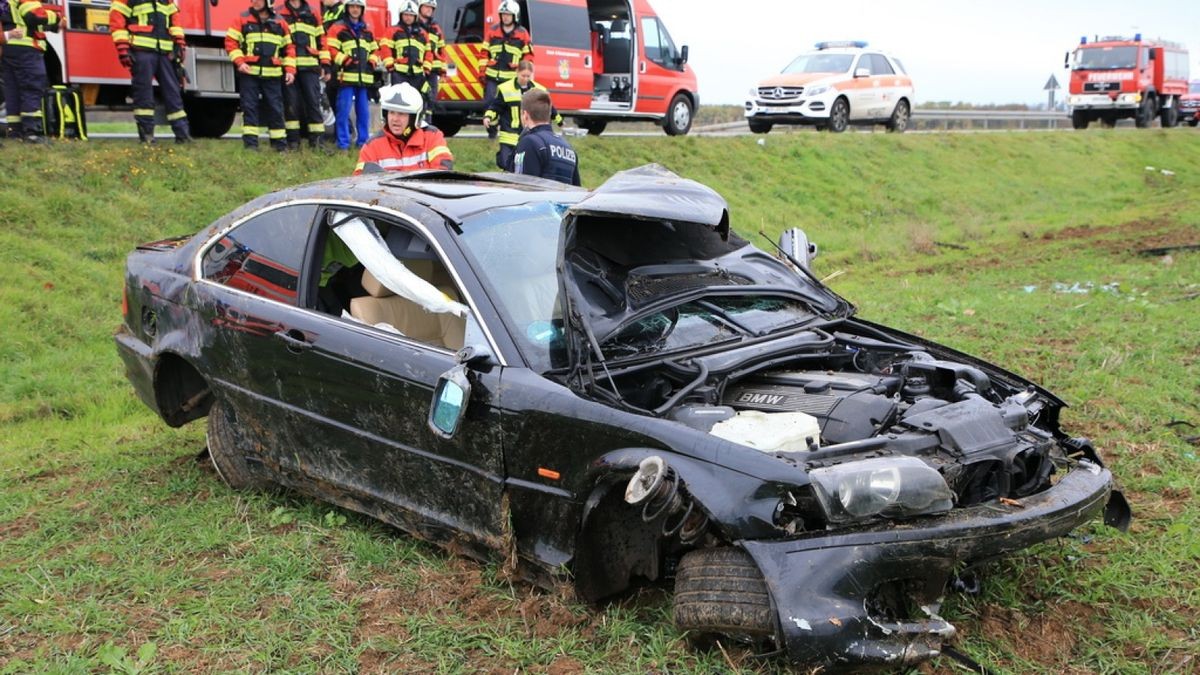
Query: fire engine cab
point(1116, 77)
point(83, 53)
point(602, 60)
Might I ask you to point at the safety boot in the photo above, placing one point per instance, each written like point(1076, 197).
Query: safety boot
point(145, 131)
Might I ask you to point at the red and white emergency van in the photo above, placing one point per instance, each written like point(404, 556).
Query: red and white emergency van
point(82, 53)
point(1189, 105)
point(602, 60)
point(1117, 77)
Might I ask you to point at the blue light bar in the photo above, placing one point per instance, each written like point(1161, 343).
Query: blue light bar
point(1083, 40)
point(831, 44)
point(1137, 37)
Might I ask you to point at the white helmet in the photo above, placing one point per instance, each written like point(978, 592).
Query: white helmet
point(360, 3)
point(403, 98)
point(510, 7)
point(431, 3)
point(409, 7)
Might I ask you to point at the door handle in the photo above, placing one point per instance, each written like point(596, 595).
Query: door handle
point(642, 67)
point(587, 62)
point(295, 340)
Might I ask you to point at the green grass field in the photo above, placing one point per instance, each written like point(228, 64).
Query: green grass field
point(120, 553)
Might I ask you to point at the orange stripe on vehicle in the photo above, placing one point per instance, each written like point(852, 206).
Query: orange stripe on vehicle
point(548, 473)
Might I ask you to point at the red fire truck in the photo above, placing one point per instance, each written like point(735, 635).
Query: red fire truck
point(1116, 77)
point(602, 60)
point(83, 53)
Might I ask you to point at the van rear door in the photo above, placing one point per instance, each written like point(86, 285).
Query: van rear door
point(562, 51)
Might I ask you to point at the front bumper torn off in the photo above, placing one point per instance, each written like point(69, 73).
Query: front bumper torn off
point(826, 587)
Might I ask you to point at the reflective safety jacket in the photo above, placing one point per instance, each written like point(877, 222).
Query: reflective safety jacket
point(424, 148)
point(145, 25)
point(354, 51)
point(506, 110)
point(31, 17)
point(308, 35)
point(505, 51)
point(407, 50)
point(437, 44)
point(266, 45)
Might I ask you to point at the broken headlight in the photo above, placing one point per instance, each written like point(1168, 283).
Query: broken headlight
point(893, 487)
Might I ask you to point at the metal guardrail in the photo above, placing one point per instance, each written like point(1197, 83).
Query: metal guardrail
point(936, 118)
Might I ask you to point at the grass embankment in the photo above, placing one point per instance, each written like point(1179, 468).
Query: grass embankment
point(118, 551)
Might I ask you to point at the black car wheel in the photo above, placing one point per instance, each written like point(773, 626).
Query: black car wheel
point(449, 125)
point(226, 449)
point(1080, 119)
point(1192, 123)
point(1170, 117)
point(1146, 113)
point(679, 116)
point(839, 116)
point(209, 117)
point(759, 127)
point(900, 118)
point(594, 127)
point(721, 592)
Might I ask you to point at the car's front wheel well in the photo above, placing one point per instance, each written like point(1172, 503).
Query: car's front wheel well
point(180, 391)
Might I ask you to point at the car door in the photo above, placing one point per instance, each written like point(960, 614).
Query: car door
point(657, 66)
point(861, 90)
point(887, 86)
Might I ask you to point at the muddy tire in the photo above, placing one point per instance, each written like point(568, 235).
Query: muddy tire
point(721, 592)
point(758, 127)
point(839, 116)
point(226, 449)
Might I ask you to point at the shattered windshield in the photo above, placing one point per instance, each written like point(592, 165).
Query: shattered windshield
point(704, 322)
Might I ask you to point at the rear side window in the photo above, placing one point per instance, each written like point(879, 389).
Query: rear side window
point(559, 25)
point(263, 255)
point(461, 20)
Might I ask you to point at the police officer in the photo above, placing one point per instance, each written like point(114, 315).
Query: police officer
point(540, 152)
point(437, 45)
point(407, 52)
point(150, 44)
point(23, 65)
point(507, 45)
point(302, 98)
point(260, 46)
point(505, 113)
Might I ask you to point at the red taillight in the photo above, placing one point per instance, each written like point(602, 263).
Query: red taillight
point(125, 302)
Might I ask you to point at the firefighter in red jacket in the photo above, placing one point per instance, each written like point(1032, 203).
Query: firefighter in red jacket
point(407, 52)
point(302, 98)
point(507, 45)
point(23, 65)
point(437, 44)
point(261, 48)
point(150, 44)
point(404, 144)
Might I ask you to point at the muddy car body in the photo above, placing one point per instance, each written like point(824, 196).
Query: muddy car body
point(611, 385)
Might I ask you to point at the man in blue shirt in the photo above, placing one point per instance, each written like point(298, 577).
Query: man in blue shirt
point(540, 152)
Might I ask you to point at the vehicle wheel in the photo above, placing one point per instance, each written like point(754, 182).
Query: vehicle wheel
point(839, 116)
point(900, 118)
point(1192, 123)
point(679, 116)
point(1108, 122)
point(759, 127)
point(449, 125)
point(721, 592)
point(225, 448)
point(593, 127)
point(1170, 117)
point(1146, 113)
point(209, 118)
point(1080, 119)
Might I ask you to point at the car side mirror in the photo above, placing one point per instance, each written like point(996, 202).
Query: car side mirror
point(683, 55)
point(1067, 60)
point(862, 72)
point(795, 244)
point(450, 398)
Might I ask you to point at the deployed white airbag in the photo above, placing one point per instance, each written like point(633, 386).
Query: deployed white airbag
point(370, 249)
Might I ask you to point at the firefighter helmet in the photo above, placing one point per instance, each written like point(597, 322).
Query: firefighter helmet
point(360, 3)
point(510, 7)
point(431, 3)
point(409, 7)
point(403, 98)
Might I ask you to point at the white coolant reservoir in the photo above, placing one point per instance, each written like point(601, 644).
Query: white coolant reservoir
point(771, 432)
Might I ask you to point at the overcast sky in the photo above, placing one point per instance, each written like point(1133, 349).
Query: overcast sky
point(980, 52)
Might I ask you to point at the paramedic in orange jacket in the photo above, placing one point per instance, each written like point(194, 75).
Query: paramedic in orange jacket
point(404, 145)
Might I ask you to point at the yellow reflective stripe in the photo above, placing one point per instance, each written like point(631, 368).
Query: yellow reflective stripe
point(359, 166)
point(152, 43)
point(508, 137)
point(275, 134)
point(289, 62)
point(489, 115)
point(265, 37)
point(438, 152)
point(120, 36)
point(386, 42)
point(142, 112)
point(177, 115)
point(250, 131)
point(292, 124)
point(29, 6)
point(175, 31)
point(266, 71)
point(12, 119)
point(32, 114)
point(122, 9)
point(310, 29)
point(316, 128)
point(237, 54)
point(234, 33)
point(323, 54)
point(306, 61)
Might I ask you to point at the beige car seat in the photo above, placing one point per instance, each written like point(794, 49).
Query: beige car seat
point(381, 305)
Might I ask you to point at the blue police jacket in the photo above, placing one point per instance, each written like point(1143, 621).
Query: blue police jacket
point(540, 152)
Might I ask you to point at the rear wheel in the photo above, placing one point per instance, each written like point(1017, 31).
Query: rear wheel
point(209, 117)
point(679, 116)
point(721, 592)
point(1146, 113)
point(1193, 122)
point(900, 118)
point(759, 127)
point(1080, 119)
point(449, 125)
point(593, 127)
point(1170, 117)
point(839, 116)
point(226, 448)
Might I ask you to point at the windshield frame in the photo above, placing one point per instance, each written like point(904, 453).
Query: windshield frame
point(1077, 61)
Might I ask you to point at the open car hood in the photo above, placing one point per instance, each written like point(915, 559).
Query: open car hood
point(647, 239)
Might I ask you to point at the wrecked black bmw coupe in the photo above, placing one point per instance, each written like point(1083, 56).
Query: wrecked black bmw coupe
point(611, 385)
